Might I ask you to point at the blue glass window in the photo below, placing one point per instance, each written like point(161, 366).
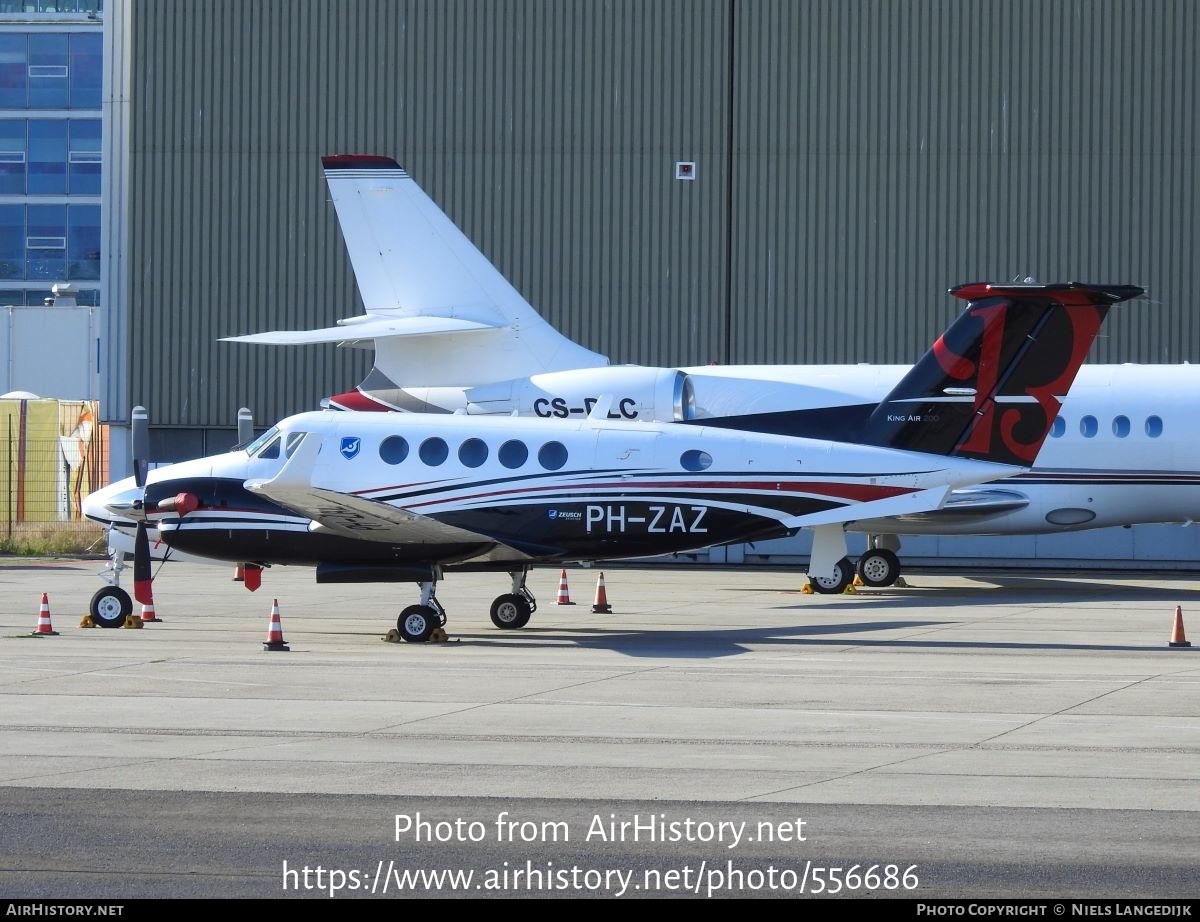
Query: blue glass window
point(1058, 428)
point(46, 245)
point(552, 455)
point(48, 87)
point(14, 71)
point(12, 156)
point(513, 454)
point(1121, 426)
point(87, 73)
point(434, 451)
point(37, 297)
point(1154, 426)
point(47, 156)
point(1088, 427)
point(393, 449)
point(84, 156)
point(695, 460)
point(472, 452)
point(83, 242)
point(12, 241)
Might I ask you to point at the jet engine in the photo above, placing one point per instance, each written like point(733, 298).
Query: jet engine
point(620, 391)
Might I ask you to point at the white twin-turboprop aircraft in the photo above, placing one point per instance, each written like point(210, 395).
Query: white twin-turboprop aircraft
point(369, 497)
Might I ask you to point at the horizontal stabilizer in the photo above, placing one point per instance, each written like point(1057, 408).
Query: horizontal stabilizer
point(376, 326)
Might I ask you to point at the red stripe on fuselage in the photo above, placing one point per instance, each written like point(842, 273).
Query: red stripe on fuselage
point(848, 491)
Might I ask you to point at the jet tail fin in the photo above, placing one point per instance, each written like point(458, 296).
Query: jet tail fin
point(411, 260)
point(439, 314)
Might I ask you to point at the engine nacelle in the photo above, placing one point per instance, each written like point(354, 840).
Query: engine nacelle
point(630, 392)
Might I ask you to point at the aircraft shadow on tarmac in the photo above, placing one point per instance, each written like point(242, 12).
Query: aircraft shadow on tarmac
point(710, 644)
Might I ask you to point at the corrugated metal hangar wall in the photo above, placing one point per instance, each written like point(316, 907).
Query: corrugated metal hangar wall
point(853, 160)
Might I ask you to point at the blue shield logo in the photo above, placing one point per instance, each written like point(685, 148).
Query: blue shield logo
point(553, 513)
point(350, 446)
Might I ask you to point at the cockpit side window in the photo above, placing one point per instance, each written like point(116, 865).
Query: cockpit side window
point(254, 447)
point(293, 442)
point(270, 451)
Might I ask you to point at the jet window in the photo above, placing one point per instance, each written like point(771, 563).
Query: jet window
point(256, 446)
point(1121, 426)
point(1154, 426)
point(1059, 428)
point(695, 460)
point(293, 442)
point(513, 454)
point(271, 451)
point(472, 452)
point(393, 449)
point(1088, 427)
point(434, 451)
point(552, 455)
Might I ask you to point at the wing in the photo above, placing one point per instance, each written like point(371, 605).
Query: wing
point(368, 520)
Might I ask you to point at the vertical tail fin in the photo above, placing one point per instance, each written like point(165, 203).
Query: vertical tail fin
point(410, 259)
point(989, 388)
point(992, 384)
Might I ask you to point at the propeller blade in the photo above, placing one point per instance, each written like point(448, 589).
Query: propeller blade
point(142, 579)
point(140, 435)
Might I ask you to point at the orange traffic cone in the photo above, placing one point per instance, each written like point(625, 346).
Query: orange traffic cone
point(1177, 637)
point(564, 596)
point(44, 627)
point(148, 614)
point(275, 631)
point(601, 605)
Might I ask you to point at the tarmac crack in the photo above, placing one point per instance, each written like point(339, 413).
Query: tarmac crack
point(1061, 711)
point(977, 745)
point(514, 698)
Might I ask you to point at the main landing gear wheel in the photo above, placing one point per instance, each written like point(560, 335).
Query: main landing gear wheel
point(417, 622)
point(878, 567)
point(511, 611)
point(843, 573)
point(110, 606)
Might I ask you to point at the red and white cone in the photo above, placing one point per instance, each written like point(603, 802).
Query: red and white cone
point(275, 631)
point(564, 596)
point(601, 606)
point(44, 627)
point(148, 614)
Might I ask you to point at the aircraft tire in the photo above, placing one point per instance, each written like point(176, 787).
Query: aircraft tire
point(416, 623)
point(878, 567)
point(511, 612)
point(110, 606)
point(843, 573)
